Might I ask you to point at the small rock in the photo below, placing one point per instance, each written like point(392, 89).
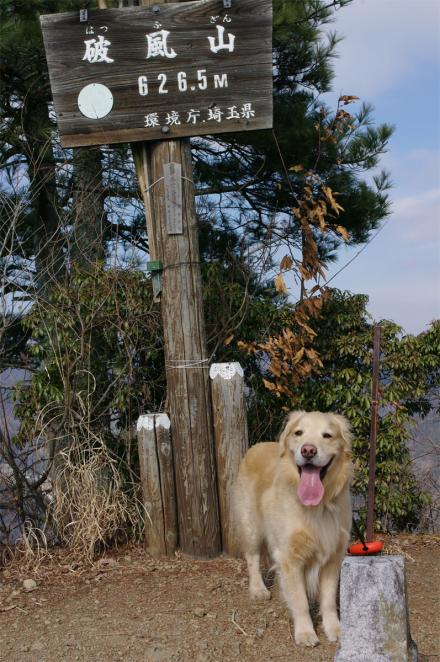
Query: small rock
point(106, 562)
point(199, 612)
point(29, 585)
point(260, 632)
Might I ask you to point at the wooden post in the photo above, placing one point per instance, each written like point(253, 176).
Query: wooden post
point(157, 478)
point(373, 435)
point(188, 392)
point(186, 359)
point(231, 439)
point(237, 96)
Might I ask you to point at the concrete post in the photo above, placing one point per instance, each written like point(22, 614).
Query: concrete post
point(374, 611)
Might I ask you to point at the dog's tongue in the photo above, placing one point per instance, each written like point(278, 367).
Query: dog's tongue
point(310, 489)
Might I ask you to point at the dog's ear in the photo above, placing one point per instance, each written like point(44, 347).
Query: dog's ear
point(345, 429)
point(289, 424)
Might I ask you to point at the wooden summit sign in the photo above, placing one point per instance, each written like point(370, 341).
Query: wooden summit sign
point(166, 71)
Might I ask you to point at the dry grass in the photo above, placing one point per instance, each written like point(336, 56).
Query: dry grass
point(29, 552)
point(92, 508)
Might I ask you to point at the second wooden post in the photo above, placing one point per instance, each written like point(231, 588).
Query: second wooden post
point(231, 440)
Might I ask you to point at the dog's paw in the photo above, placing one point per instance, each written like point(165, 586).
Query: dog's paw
point(260, 594)
point(306, 638)
point(332, 629)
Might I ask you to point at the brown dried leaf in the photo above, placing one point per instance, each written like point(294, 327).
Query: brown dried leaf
point(246, 347)
point(329, 195)
point(343, 232)
point(286, 263)
point(298, 356)
point(297, 168)
point(229, 339)
point(347, 98)
point(280, 284)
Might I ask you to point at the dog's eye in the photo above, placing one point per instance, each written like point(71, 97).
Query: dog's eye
point(327, 435)
point(298, 433)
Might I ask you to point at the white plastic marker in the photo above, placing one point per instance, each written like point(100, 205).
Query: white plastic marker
point(95, 101)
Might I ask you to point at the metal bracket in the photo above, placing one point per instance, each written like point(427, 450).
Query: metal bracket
point(83, 15)
point(227, 4)
point(155, 267)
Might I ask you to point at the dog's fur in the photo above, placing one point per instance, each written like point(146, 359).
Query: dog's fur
point(307, 543)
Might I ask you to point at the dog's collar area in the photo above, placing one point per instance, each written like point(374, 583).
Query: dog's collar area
point(322, 472)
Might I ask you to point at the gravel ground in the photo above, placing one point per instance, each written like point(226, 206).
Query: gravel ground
point(130, 607)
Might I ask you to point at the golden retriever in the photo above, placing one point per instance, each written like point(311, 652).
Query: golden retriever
point(295, 496)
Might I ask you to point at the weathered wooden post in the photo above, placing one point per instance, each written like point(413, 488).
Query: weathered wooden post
point(231, 439)
point(157, 479)
point(165, 169)
point(186, 359)
point(163, 73)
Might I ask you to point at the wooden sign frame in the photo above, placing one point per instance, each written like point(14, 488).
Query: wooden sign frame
point(166, 71)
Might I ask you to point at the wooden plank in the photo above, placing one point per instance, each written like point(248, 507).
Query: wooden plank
point(167, 485)
point(157, 480)
point(188, 384)
point(187, 69)
point(231, 440)
point(173, 197)
point(141, 157)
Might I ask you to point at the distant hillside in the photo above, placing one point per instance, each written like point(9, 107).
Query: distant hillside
point(424, 448)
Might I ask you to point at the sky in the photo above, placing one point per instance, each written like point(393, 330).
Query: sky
point(390, 57)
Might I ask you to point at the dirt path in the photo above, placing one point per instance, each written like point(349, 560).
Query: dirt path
point(133, 608)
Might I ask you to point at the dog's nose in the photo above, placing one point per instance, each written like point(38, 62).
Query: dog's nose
point(308, 451)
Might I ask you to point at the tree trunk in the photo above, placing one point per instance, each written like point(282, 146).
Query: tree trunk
point(49, 240)
point(88, 212)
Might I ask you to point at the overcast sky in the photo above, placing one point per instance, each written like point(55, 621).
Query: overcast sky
point(391, 57)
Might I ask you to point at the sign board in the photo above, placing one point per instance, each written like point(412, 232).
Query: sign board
point(166, 71)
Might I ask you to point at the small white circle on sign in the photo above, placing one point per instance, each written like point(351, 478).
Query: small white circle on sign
point(95, 101)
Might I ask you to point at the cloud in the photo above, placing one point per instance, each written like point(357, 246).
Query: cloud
point(389, 56)
point(411, 170)
point(385, 42)
point(399, 270)
point(412, 303)
point(417, 218)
